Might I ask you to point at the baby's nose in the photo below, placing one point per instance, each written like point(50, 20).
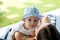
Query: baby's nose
point(32, 24)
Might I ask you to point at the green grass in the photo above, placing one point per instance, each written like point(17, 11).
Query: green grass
point(4, 21)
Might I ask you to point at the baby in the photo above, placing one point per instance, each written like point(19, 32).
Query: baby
point(28, 25)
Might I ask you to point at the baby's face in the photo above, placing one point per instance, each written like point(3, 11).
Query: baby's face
point(31, 22)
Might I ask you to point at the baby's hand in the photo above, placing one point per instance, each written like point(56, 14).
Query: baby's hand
point(33, 33)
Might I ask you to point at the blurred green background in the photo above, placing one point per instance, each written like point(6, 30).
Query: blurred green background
point(11, 11)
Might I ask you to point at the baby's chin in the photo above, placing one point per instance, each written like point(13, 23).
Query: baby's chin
point(32, 27)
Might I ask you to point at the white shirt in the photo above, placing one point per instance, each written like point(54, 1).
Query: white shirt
point(19, 27)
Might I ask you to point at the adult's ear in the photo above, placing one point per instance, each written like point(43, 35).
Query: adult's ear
point(45, 19)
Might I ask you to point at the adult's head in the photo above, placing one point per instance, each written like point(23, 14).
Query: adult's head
point(48, 32)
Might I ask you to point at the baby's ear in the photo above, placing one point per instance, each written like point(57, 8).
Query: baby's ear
point(45, 19)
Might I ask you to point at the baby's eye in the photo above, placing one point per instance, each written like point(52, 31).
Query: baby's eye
point(29, 19)
point(35, 20)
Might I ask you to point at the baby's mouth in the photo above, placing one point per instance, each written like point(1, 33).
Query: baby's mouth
point(32, 25)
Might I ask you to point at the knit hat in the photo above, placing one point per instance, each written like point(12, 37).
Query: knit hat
point(31, 11)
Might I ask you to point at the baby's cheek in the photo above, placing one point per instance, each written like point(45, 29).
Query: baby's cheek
point(37, 23)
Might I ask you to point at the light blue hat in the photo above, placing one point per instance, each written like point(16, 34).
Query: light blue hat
point(31, 11)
